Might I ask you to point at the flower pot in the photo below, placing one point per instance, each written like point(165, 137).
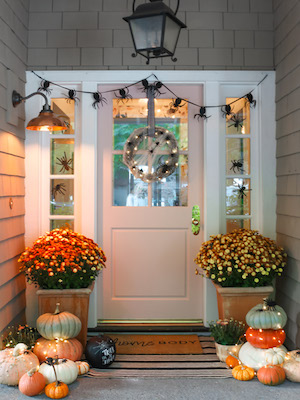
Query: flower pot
point(224, 350)
point(235, 302)
point(76, 301)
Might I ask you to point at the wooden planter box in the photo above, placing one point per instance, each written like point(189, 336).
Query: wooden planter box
point(76, 301)
point(235, 302)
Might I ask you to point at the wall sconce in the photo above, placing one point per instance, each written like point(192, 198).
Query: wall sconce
point(154, 29)
point(46, 121)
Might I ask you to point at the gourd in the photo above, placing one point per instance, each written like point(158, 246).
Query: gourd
point(271, 375)
point(32, 383)
point(266, 316)
point(66, 371)
point(59, 325)
point(71, 349)
point(255, 358)
point(15, 362)
point(265, 338)
point(243, 373)
point(232, 361)
point(291, 366)
point(83, 367)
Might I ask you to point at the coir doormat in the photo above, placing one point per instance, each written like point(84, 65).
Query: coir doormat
point(157, 344)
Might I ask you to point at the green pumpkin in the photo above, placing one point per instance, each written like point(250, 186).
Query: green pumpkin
point(266, 316)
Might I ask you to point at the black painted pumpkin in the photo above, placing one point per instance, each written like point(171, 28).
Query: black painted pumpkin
point(100, 351)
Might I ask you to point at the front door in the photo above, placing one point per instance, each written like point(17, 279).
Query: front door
point(146, 227)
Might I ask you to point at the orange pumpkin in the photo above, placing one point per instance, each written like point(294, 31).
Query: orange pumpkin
point(265, 338)
point(56, 390)
point(271, 375)
point(232, 361)
point(68, 348)
point(243, 373)
point(32, 383)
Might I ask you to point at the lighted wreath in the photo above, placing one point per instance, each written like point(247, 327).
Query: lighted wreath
point(151, 158)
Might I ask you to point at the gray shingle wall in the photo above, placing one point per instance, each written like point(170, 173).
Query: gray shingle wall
point(222, 34)
point(287, 63)
point(14, 15)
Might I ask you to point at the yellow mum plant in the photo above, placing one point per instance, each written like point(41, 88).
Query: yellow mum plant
point(242, 258)
point(62, 259)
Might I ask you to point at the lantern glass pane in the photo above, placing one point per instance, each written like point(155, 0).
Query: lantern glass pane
point(172, 30)
point(147, 32)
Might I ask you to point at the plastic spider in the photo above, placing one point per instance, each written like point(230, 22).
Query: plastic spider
point(155, 87)
point(123, 95)
point(176, 103)
point(241, 191)
point(72, 96)
point(237, 165)
point(237, 121)
point(99, 99)
point(226, 110)
point(202, 114)
point(66, 165)
point(252, 102)
point(59, 188)
point(44, 87)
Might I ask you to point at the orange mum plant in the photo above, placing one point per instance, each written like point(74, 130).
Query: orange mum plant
point(62, 259)
point(242, 258)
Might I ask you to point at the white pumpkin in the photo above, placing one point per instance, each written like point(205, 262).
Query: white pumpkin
point(15, 362)
point(256, 358)
point(83, 367)
point(291, 366)
point(66, 371)
point(59, 325)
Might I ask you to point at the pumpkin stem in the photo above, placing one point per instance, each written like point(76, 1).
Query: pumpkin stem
point(57, 309)
point(32, 371)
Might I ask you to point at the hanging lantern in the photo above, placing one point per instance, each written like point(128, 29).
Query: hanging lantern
point(155, 29)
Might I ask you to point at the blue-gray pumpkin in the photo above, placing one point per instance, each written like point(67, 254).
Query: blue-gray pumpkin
point(266, 316)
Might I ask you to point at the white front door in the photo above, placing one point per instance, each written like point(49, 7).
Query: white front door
point(147, 233)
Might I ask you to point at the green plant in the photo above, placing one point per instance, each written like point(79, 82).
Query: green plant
point(242, 258)
point(227, 331)
point(62, 259)
point(20, 334)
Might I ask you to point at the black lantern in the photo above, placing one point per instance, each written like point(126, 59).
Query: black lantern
point(155, 29)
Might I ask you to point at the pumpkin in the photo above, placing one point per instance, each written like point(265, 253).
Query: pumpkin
point(232, 361)
point(56, 390)
point(71, 349)
point(265, 338)
point(32, 383)
point(59, 325)
point(243, 373)
point(15, 362)
point(83, 367)
point(66, 371)
point(255, 357)
point(271, 375)
point(291, 366)
point(266, 316)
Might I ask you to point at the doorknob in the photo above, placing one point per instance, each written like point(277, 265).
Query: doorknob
point(196, 220)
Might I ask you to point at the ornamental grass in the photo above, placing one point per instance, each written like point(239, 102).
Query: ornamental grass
point(242, 258)
point(62, 259)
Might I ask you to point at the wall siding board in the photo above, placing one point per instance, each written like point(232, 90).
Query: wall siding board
point(14, 307)
point(11, 247)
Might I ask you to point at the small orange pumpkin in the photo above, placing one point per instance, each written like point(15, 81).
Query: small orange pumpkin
point(232, 361)
point(271, 375)
point(83, 367)
point(243, 373)
point(32, 383)
point(56, 390)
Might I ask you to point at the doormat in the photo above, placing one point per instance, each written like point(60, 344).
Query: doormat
point(157, 344)
point(205, 365)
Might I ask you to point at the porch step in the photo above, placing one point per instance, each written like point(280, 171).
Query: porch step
point(149, 327)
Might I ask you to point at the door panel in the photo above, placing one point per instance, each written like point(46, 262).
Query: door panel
point(149, 243)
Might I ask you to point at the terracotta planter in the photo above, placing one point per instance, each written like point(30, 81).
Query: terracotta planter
point(75, 301)
point(224, 350)
point(235, 302)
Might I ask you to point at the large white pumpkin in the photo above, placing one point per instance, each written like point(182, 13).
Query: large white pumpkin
point(59, 325)
point(256, 358)
point(15, 362)
point(291, 366)
point(66, 371)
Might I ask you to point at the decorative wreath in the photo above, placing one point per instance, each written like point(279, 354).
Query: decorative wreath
point(140, 154)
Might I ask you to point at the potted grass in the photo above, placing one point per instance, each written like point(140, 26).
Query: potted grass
point(242, 265)
point(64, 265)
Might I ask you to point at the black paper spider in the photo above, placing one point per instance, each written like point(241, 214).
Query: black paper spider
point(237, 166)
point(252, 102)
point(123, 95)
point(99, 99)
point(44, 87)
point(59, 188)
point(176, 103)
point(72, 96)
point(155, 87)
point(237, 121)
point(202, 114)
point(65, 163)
point(241, 191)
point(226, 110)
